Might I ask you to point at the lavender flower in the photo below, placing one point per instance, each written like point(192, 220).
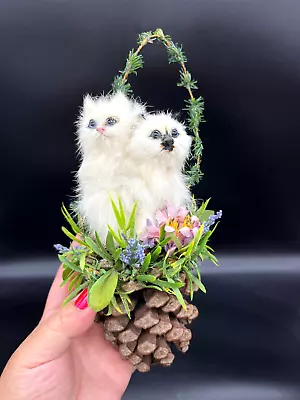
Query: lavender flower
point(211, 221)
point(219, 214)
point(133, 254)
point(61, 249)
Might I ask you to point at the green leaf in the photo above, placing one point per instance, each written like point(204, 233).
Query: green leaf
point(68, 263)
point(109, 311)
point(124, 298)
point(131, 222)
point(179, 297)
point(146, 263)
point(171, 285)
point(179, 262)
point(202, 207)
point(196, 280)
point(75, 282)
point(116, 237)
point(116, 305)
point(82, 261)
point(75, 293)
point(146, 278)
point(165, 264)
point(188, 274)
point(194, 243)
point(152, 287)
point(201, 245)
point(197, 269)
point(117, 254)
point(70, 220)
point(122, 212)
point(162, 233)
point(68, 277)
point(92, 245)
point(165, 241)
point(211, 257)
point(120, 220)
point(110, 244)
point(205, 215)
point(155, 254)
point(176, 240)
point(176, 267)
point(66, 272)
point(210, 249)
point(72, 237)
point(103, 290)
point(102, 248)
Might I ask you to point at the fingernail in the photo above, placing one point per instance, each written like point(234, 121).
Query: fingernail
point(82, 300)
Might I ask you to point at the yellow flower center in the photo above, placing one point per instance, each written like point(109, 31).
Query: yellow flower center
point(173, 223)
point(187, 222)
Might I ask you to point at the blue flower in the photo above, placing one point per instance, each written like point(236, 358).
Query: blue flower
point(61, 249)
point(133, 254)
point(211, 221)
point(219, 214)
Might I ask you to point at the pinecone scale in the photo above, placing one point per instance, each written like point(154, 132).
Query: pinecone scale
point(157, 324)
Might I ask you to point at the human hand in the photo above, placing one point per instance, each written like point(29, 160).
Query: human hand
point(66, 357)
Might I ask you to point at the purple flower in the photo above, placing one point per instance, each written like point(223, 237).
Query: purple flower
point(133, 254)
point(211, 221)
point(61, 249)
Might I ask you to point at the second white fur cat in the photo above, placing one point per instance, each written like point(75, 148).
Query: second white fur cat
point(157, 151)
point(103, 132)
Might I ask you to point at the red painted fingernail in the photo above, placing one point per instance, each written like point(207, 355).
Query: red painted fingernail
point(82, 300)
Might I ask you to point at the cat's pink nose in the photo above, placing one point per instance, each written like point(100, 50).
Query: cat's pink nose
point(100, 129)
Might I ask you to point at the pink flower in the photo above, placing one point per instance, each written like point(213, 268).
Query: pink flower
point(175, 222)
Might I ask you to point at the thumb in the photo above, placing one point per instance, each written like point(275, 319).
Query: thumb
point(53, 336)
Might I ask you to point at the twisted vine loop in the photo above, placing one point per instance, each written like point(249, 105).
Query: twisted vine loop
point(194, 105)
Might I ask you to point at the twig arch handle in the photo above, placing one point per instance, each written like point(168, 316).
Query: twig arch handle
point(194, 105)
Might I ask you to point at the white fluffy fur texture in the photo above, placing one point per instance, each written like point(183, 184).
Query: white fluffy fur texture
point(102, 173)
point(156, 174)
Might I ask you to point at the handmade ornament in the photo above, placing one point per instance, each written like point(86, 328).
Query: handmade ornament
point(139, 234)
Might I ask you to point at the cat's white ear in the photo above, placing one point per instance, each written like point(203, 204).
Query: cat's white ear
point(88, 102)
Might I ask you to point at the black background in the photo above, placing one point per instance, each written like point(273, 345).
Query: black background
point(245, 55)
point(246, 58)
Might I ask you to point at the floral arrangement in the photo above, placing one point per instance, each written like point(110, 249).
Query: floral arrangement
point(138, 283)
point(176, 243)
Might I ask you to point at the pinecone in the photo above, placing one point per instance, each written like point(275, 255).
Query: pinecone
point(157, 321)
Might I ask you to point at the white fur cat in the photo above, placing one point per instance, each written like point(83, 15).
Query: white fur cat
point(104, 127)
point(157, 151)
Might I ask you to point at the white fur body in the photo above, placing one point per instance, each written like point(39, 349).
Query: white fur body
point(158, 177)
point(102, 172)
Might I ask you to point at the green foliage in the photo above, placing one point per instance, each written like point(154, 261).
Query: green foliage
point(186, 80)
point(97, 266)
point(74, 293)
point(102, 291)
point(134, 62)
point(146, 263)
point(119, 86)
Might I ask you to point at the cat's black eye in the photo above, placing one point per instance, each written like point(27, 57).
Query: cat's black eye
point(175, 133)
point(155, 134)
point(92, 124)
point(111, 121)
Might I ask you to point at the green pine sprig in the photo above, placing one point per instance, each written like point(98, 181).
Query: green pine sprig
point(194, 105)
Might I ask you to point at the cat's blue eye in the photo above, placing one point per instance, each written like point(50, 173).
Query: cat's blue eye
point(92, 124)
point(175, 133)
point(110, 121)
point(156, 134)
